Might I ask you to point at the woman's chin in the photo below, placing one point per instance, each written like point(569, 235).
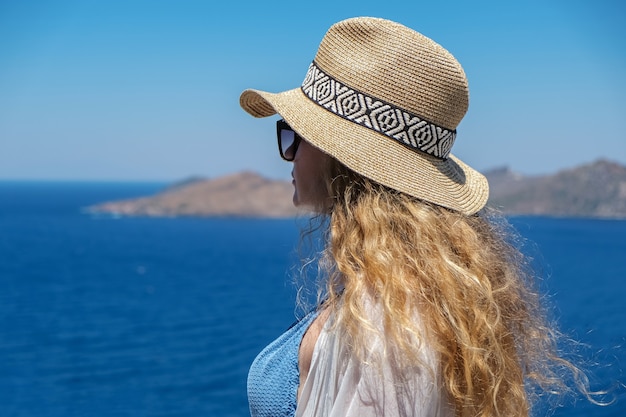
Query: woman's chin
point(300, 205)
point(303, 205)
point(310, 207)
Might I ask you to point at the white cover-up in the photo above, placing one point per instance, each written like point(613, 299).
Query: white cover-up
point(341, 385)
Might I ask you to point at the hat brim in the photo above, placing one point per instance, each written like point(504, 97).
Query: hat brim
point(449, 183)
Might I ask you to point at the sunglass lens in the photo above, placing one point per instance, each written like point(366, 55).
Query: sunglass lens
point(287, 140)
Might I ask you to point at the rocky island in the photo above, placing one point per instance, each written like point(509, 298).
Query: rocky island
point(595, 190)
point(243, 194)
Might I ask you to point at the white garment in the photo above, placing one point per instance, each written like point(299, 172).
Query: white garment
point(341, 385)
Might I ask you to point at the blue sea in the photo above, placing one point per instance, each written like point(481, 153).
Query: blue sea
point(105, 316)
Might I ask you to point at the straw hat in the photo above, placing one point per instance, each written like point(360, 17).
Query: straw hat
point(385, 101)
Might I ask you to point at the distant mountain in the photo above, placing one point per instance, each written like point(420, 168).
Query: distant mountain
point(594, 190)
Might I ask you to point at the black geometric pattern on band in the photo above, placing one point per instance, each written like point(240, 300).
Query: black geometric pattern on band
point(394, 122)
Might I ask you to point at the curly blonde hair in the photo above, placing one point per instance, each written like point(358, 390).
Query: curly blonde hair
point(462, 274)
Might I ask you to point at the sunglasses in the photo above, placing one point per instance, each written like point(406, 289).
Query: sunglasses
point(288, 140)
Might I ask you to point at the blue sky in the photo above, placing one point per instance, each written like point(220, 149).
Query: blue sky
point(149, 90)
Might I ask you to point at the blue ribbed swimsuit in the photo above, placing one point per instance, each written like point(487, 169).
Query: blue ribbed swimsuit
point(274, 376)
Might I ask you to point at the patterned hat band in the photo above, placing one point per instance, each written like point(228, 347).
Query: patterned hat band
point(373, 113)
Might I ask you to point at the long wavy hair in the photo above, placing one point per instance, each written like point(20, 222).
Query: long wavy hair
point(465, 278)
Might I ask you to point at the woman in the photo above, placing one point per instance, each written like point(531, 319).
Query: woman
point(427, 309)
